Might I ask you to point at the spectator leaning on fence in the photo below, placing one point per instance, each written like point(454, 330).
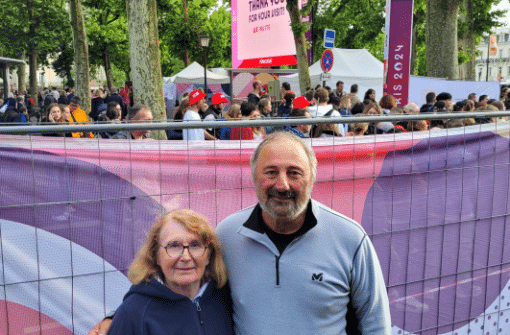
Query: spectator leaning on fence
point(196, 103)
point(233, 113)
point(302, 130)
point(137, 114)
point(215, 111)
point(373, 109)
point(112, 114)
point(54, 115)
point(244, 133)
point(78, 115)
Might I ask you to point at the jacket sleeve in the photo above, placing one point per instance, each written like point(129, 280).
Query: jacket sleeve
point(368, 292)
point(127, 319)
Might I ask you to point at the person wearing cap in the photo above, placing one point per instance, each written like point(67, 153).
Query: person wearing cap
point(196, 103)
point(214, 111)
point(300, 102)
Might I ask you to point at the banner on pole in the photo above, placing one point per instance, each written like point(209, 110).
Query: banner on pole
point(399, 27)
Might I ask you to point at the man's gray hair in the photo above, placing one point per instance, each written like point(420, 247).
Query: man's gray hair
point(135, 110)
point(285, 135)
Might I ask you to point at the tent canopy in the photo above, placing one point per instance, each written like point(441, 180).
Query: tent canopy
point(352, 63)
point(352, 66)
point(194, 74)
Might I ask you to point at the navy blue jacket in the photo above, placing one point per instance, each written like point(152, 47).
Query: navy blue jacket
point(155, 309)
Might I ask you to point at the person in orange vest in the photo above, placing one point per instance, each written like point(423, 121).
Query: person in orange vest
point(78, 115)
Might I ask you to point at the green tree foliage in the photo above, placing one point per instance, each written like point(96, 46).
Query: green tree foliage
point(35, 28)
point(108, 36)
point(63, 64)
point(176, 34)
point(358, 24)
point(45, 17)
point(481, 21)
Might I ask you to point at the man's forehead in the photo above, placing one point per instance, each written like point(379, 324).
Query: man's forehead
point(284, 151)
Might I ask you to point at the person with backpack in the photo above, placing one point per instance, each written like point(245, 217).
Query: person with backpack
point(49, 99)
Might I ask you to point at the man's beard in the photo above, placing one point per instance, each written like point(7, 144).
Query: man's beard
point(286, 210)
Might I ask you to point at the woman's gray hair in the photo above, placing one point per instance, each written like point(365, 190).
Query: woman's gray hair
point(285, 135)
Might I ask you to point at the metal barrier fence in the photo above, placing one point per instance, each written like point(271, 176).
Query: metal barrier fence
point(9, 128)
point(73, 213)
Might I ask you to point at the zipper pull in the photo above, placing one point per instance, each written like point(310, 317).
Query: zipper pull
point(199, 314)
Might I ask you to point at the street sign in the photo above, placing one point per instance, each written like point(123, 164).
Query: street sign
point(325, 76)
point(327, 60)
point(329, 39)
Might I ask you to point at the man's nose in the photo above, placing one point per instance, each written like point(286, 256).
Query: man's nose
point(282, 183)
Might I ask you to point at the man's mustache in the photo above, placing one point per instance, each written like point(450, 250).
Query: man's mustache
point(289, 194)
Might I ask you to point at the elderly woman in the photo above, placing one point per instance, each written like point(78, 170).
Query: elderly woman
point(178, 281)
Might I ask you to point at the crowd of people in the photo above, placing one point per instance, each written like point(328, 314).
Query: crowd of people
point(114, 106)
point(324, 102)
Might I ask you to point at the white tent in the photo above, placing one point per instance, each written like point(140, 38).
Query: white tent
point(352, 66)
point(194, 74)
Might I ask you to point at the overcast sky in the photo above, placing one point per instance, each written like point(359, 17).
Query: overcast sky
point(504, 4)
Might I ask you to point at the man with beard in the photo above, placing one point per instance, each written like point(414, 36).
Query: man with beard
point(294, 265)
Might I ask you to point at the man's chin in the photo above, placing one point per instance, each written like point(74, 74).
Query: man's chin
point(281, 210)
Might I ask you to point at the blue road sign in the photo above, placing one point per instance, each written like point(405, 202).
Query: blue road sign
point(329, 38)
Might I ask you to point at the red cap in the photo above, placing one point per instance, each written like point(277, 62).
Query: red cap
point(218, 98)
point(300, 102)
point(195, 97)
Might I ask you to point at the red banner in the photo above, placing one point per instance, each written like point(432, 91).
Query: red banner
point(268, 61)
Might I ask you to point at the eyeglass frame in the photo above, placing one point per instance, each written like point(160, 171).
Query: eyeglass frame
point(184, 247)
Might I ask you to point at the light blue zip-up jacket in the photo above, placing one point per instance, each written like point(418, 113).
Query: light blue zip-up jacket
point(307, 288)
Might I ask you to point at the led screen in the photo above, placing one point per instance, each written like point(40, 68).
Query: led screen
point(261, 34)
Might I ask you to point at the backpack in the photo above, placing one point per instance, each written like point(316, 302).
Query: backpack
point(314, 127)
point(11, 115)
point(48, 100)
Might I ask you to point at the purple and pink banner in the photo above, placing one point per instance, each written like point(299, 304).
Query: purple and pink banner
point(73, 213)
point(397, 49)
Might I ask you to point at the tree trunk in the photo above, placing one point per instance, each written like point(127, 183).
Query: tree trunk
point(441, 38)
point(81, 54)
point(108, 70)
point(186, 50)
point(145, 58)
point(32, 59)
point(298, 29)
point(469, 42)
point(33, 74)
point(22, 74)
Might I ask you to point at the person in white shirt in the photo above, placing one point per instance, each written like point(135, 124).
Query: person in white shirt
point(196, 102)
point(322, 108)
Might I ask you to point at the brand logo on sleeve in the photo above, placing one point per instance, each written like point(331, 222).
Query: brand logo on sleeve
point(317, 276)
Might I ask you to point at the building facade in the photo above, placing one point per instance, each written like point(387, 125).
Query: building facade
point(498, 66)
